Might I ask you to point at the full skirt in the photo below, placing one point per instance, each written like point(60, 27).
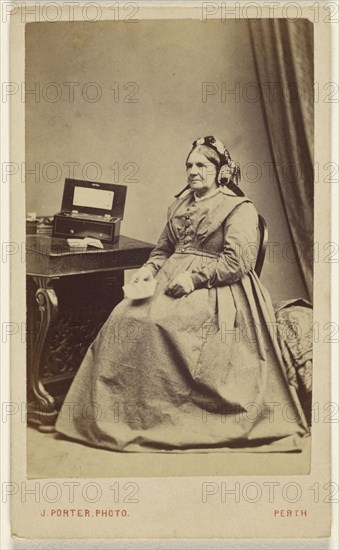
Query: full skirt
point(186, 374)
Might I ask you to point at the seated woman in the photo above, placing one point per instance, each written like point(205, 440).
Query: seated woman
point(196, 366)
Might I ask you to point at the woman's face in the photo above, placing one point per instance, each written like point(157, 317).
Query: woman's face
point(201, 173)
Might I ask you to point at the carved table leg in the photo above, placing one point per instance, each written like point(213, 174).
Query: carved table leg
point(43, 411)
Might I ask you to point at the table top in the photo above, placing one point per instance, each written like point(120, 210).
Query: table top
point(48, 245)
point(49, 256)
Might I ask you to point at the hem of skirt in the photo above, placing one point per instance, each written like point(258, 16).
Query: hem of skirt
point(288, 444)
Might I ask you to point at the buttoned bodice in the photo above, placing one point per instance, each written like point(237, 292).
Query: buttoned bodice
point(198, 225)
point(208, 238)
point(186, 226)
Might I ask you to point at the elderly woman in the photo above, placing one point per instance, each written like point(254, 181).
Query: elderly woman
point(196, 365)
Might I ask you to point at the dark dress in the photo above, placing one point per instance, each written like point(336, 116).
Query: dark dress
point(199, 372)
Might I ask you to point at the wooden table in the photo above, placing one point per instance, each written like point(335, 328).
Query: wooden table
point(70, 294)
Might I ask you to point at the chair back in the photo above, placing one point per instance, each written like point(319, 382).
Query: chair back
point(263, 237)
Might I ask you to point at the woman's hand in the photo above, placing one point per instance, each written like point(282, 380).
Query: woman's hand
point(143, 274)
point(181, 285)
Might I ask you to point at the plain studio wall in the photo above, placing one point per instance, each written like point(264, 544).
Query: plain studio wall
point(122, 103)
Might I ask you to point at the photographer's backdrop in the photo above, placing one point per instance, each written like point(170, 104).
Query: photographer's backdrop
point(122, 102)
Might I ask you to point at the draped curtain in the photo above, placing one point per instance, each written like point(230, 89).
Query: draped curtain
point(283, 56)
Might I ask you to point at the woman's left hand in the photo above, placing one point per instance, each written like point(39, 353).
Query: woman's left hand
point(180, 285)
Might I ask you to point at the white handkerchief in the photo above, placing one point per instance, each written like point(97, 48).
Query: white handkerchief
point(140, 290)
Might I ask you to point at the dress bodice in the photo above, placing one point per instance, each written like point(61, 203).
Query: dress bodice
point(209, 238)
point(198, 225)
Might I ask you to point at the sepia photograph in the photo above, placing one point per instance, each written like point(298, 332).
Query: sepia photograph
point(165, 245)
point(184, 150)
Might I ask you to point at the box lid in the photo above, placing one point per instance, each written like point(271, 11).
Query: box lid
point(94, 197)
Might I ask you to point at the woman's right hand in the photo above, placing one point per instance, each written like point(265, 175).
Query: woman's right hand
point(143, 274)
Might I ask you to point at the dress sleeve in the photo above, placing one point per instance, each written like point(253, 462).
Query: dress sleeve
point(236, 259)
point(162, 251)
